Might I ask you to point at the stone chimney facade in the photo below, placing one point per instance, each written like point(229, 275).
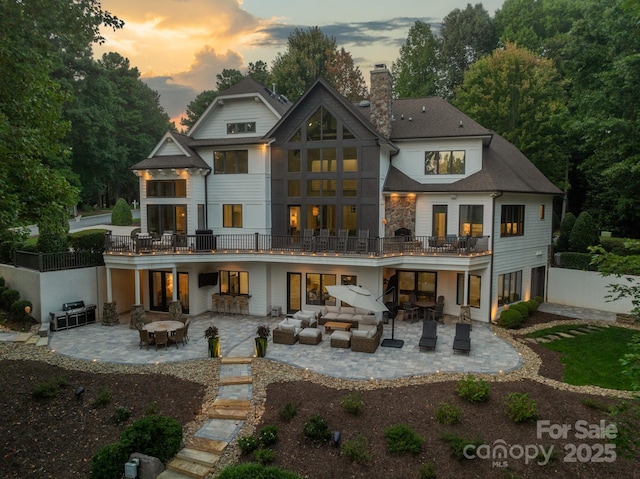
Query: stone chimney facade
point(380, 98)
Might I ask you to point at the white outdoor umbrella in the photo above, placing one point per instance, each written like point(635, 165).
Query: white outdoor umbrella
point(357, 297)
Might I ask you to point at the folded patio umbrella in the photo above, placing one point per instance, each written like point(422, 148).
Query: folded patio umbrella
point(357, 297)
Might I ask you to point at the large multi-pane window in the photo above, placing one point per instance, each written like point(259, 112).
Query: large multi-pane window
point(421, 283)
point(321, 160)
point(509, 287)
point(167, 188)
point(350, 160)
point(444, 162)
point(471, 219)
point(293, 161)
point(232, 216)
point(242, 127)
point(439, 227)
point(161, 218)
point(317, 287)
point(512, 220)
point(234, 282)
point(473, 295)
point(325, 188)
point(322, 126)
point(230, 162)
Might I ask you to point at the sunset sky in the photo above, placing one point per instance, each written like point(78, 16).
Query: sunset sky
point(180, 45)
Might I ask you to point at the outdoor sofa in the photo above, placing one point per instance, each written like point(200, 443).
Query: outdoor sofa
point(289, 328)
point(366, 337)
point(345, 314)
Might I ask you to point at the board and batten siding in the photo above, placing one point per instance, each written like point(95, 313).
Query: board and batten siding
point(237, 110)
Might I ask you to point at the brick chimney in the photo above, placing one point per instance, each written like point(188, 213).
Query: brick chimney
point(380, 98)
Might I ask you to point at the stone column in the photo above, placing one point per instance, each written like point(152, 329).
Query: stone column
point(110, 314)
point(137, 316)
point(175, 310)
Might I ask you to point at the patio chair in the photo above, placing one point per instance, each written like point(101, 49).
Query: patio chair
point(429, 335)
point(242, 305)
point(436, 313)
point(162, 339)
point(411, 312)
point(186, 329)
point(178, 337)
point(307, 240)
point(323, 240)
point(343, 239)
point(462, 339)
point(145, 338)
point(363, 241)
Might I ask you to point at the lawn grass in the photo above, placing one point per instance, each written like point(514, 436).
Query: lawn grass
point(562, 328)
point(594, 358)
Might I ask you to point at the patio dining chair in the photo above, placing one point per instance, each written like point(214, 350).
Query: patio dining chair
point(436, 313)
point(145, 338)
point(178, 337)
point(186, 329)
point(161, 339)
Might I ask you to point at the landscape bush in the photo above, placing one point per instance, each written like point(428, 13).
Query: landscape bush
point(264, 456)
point(473, 389)
point(268, 435)
point(584, 233)
point(255, 471)
point(248, 444)
point(52, 242)
point(19, 310)
point(108, 462)
point(158, 436)
point(121, 414)
point(121, 214)
point(532, 305)
point(447, 413)
point(521, 308)
point(102, 398)
point(427, 471)
point(520, 407)
point(91, 241)
point(353, 403)
point(316, 429)
point(402, 438)
point(565, 232)
point(288, 411)
point(579, 261)
point(459, 443)
point(8, 297)
point(357, 449)
point(539, 300)
point(510, 319)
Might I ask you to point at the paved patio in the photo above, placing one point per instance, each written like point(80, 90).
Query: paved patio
point(119, 344)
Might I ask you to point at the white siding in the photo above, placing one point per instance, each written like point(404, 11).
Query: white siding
point(235, 111)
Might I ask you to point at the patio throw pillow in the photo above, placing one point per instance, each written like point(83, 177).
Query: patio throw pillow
point(360, 333)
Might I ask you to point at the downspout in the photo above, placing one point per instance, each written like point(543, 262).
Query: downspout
point(206, 201)
point(494, 195)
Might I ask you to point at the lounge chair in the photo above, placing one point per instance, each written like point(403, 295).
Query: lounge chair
point(462, 339)
point(429, 335)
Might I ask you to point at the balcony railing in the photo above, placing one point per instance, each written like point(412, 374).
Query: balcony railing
point(269, 244)
point(57, 261)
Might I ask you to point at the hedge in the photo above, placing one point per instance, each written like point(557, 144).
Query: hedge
point(510, 319)
point(581, 261)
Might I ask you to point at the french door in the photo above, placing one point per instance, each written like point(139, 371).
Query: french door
point(161, 290)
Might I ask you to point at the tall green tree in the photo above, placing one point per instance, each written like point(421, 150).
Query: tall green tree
point(467, 35)
point(259, 71)
point(228, 78)
point(34, 36)
point(520, 96)
point(416, 72)
point(197, 106)
point(309, 55)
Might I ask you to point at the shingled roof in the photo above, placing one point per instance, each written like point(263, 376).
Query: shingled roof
point(248, 85)
point(190, 160)
point(504, 169)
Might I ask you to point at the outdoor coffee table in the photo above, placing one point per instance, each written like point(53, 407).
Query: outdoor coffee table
point(336, 325)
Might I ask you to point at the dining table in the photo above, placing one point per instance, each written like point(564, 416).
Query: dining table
point(425, 306)
point(165, 325)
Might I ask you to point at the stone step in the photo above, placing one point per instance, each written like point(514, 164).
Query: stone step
point(22, 338)
point(33, 340)
point(233, 380)
point(228, 413)
point(236, 360)
point(565, 335)
point(188, 468)
point(43, 331)
point(207, 459)
point(577, 332)
point(43, 342)
point(552, 337)
point(169, 474)
point(207, 445)
point(543, 340)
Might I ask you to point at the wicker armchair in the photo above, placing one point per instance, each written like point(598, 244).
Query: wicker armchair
point(367, 345)
point(282, 336)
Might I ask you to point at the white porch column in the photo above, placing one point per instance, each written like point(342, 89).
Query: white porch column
point(465, 299)
point(174, 295)
point(109, 289)
point(137, 283)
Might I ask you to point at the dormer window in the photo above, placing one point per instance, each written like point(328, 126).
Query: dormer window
point(243, 127)
point(444, 162)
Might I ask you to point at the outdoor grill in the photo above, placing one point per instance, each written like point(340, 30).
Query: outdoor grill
point(74, 313)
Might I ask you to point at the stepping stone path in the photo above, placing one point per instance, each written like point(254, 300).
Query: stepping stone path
point(226, 416)
point(578, 331)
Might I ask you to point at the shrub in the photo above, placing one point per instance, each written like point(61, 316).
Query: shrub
point(91, 241)
point(18, 308)
point(510, 319)
point(356, 449)
point(521, 308)
point(473, 389)
point(427, 471)
point(248, 444)
point(521, 408)
point(109, 461)
point(264, 456)
point(102, 399)
point(52, 242)
point(121, 214)
point(121, 414)
point(151, 409)
point(447, 413)
point(2, 283)
point(269, 435)
point(353, 403)
point(255, 471)
point(45, 390)
point(532, 305)
point(584, 233)
point(8, 297)
point(288, 411)
point(316, 429)
point(458, 444)
point(565, 231)
point(402, 438)
point(580, 261)
point(158, 436)
point(539, 300)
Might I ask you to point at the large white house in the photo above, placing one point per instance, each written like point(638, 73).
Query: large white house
point(273, 202)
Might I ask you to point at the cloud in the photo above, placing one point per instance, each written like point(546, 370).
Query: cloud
point(201, 74)
point(174, 97)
